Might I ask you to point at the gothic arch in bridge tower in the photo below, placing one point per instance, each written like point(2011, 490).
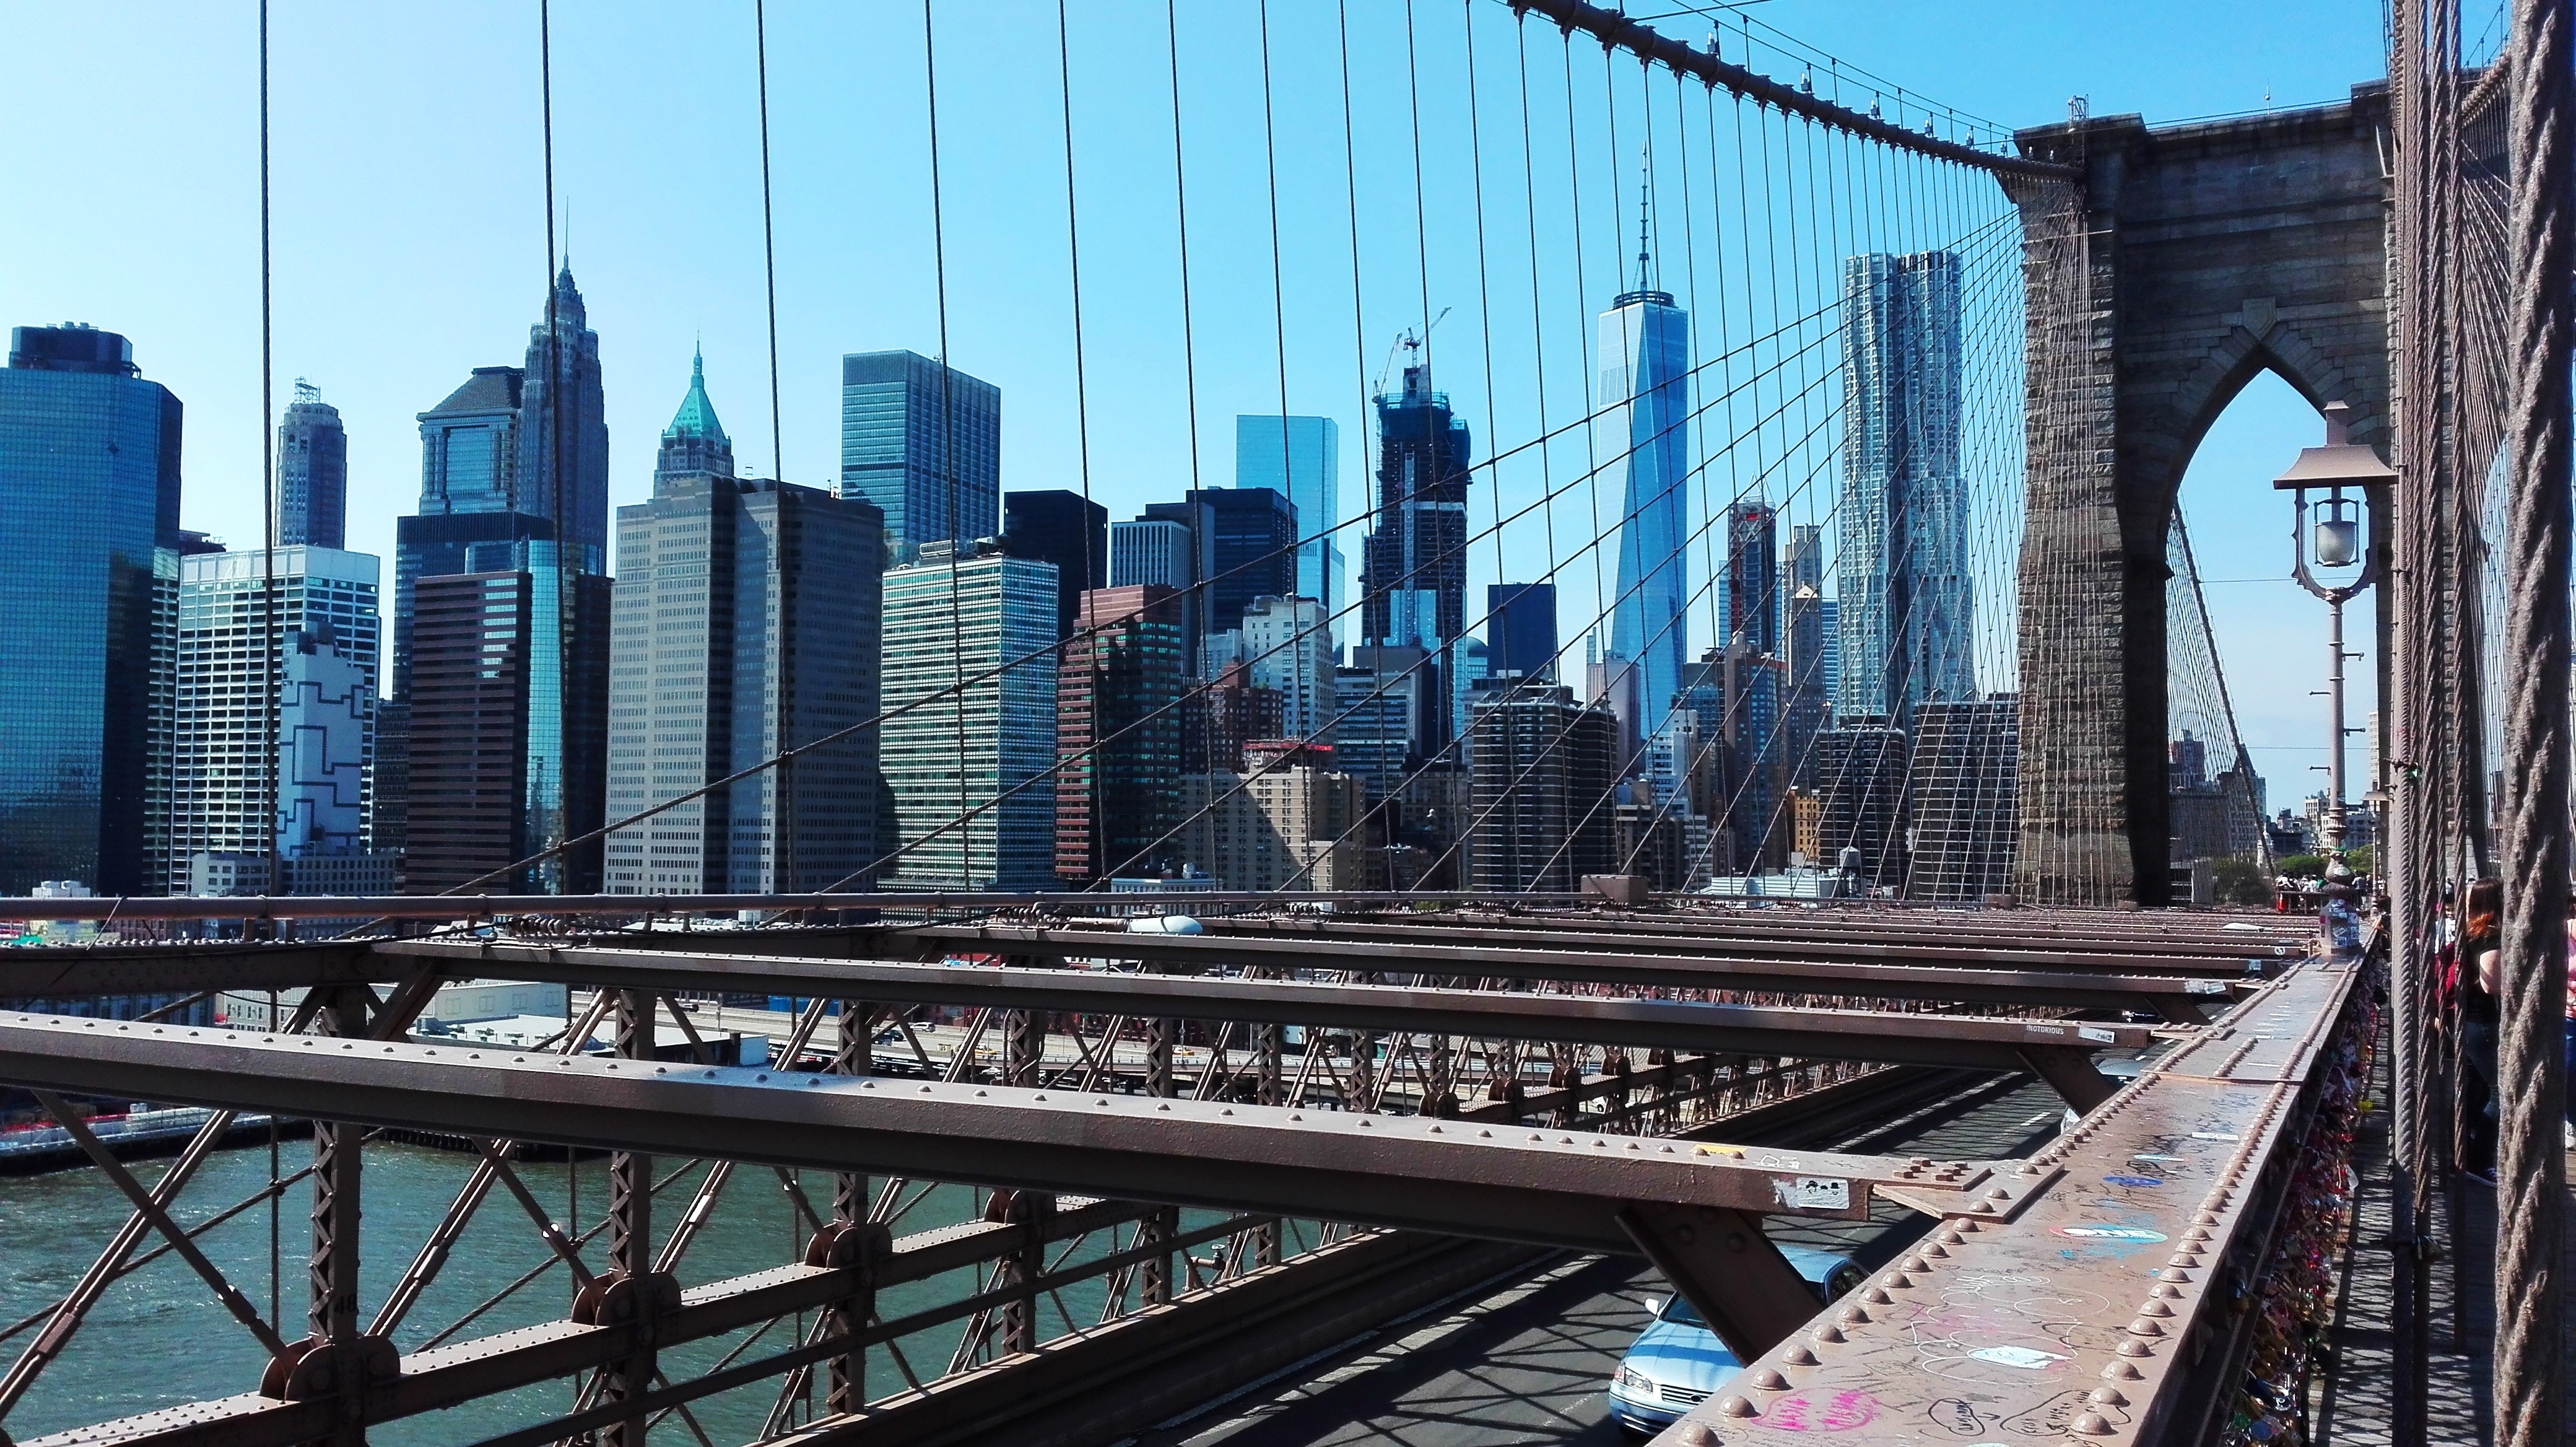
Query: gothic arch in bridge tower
point(2185, 261)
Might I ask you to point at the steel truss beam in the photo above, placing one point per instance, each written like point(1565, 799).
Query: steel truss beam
point(1921, 1039)
point(2176, 996)
point(1499, 1182)
point(1775, 932)
point(448, 1376)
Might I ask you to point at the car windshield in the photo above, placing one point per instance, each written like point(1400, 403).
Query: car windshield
point(1681, 1311)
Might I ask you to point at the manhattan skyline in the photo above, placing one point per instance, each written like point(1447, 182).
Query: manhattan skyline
point(459, 215)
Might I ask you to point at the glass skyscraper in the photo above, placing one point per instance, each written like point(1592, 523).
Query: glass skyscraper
point(469, 447)
point(1413, 567)
point(1413, 570)
point(923, 443)
point(1300, 458)
point(1066, 529)
point(1749, 586)
point(488, 480)
point(508, 720)
point(1246, 539)
point(1640, 434)
point(1520, 619)
point(1905, 600)
point(312, 472)
point(89, 518)
point(582, 498)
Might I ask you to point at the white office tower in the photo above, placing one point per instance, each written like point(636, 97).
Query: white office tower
point(970, 682)
point(1152, 550)
point(1289, 649)
point(324, 695)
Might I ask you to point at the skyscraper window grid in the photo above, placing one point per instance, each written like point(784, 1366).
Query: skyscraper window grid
point(312, 472)
point(89, 505)
point(1643, 402)
point(923, 443)
point(1000, 613)
point(1906, 598)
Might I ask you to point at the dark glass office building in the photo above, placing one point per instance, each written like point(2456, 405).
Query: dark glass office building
point(1749, 587)
point(1060, 527)
point(312, 472)
point(469, 447)
point(89, 516)
point(922, 442)
point(1520, 630)
point(509, 724)
point(1413, 569)
point(1118, 736)
point(576, 431)
point(435, 546)
point(1245, 542)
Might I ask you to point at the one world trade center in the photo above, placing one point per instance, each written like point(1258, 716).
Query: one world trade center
point(1641, 431)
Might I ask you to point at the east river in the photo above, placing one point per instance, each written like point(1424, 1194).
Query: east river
point(159, 1338)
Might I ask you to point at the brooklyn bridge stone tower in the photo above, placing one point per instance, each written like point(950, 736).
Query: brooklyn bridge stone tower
point(2179, 264)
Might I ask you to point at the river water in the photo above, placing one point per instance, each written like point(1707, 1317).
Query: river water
point(159, 1338)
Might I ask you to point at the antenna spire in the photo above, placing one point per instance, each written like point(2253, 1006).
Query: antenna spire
point(1645, 176)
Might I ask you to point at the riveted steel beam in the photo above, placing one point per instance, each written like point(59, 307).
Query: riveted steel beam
point(1914, 1039)
point(2172, 995)
point(1783, 934)
point(1501, 1182)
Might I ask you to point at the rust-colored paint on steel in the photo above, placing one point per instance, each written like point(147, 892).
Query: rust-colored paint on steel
point(2164, 933)
point(1545, 1187)
point(1612, 28)
point(1928, 947)
point(1924, 1039)
point(488, 906)
point(1601, 963)
point(2104, 1311)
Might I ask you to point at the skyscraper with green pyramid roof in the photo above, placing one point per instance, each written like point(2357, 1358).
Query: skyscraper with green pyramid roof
point(694, 445)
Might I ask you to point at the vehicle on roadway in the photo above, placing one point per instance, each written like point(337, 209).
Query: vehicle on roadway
point(1676, 1362)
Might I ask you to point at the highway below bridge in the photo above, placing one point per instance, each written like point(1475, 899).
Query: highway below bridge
point(1526, 1360)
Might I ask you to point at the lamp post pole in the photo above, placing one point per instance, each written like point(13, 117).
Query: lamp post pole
point(2334, 725)
point(2341, 463)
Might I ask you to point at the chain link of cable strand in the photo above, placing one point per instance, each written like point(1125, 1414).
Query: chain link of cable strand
point(2531, 1166)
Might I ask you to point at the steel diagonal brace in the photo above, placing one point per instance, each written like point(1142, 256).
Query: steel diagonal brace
point(229, 1294)
point(1722, 1263)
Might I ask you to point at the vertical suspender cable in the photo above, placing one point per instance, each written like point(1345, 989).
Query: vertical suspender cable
point(2531, 1184)
point(1081, 409)
point(268, 608)
point(555, 408)
point(784, 877)
point(965, 878)
point(554, 416)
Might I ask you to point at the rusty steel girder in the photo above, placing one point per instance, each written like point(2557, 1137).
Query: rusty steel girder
point(1976, 1042)
point(1503, 1182)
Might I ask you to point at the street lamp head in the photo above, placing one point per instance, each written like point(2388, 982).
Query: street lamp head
point(2338, 532)
point(2340, 463)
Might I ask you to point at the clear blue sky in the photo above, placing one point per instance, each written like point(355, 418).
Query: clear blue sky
point(409, 223)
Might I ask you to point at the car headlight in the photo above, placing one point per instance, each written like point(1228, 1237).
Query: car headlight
point(1629, 1379)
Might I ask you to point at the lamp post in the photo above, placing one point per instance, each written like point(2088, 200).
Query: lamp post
point(2336, 541)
